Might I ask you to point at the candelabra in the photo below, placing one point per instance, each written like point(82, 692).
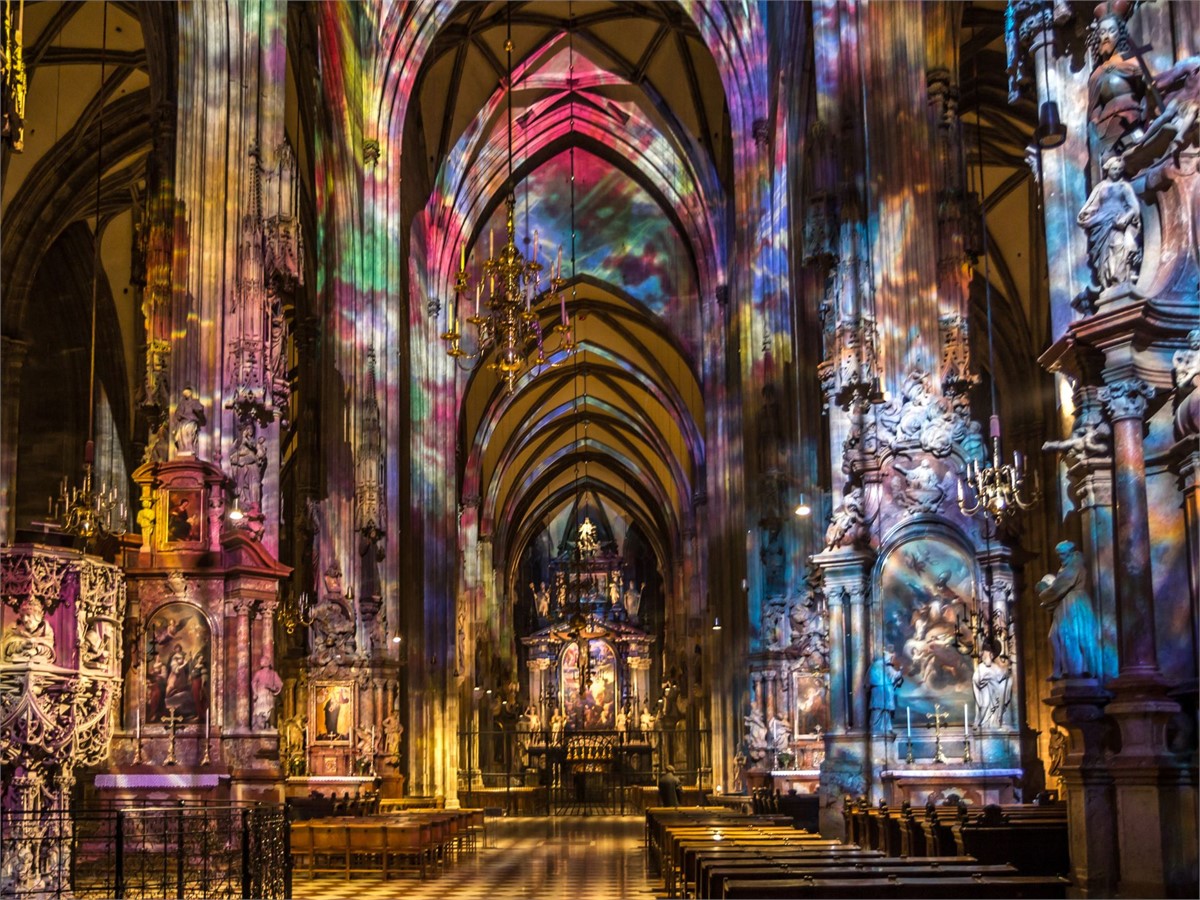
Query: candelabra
point(296, 612)
point(937, 717)
point(87, 513)
point(999, 488)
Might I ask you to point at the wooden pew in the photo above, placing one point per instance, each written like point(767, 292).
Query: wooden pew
point(901, 886)
point(714, 872)
point(699, 861)
point(1036, 843)
point(768, 875)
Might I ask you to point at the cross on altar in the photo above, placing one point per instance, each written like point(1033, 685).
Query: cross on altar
point(172, 720)
point(938, 718)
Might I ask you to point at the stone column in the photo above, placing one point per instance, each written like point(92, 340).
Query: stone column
point(240, 689)
point(860, 655)
point(1146, 776)
point(266, 629)
point(12, 354)
point(769, 690)
point(1078, 708)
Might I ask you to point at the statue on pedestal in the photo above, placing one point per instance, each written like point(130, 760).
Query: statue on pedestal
point(883, 679)
point(1113, 220)
point(993, 690)
point(1074, 631)
point(265, 687)
point(186, 423)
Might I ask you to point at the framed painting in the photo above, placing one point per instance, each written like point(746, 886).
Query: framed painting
point(589, 706)
point(185, 515)
point(178, 663)
point(333, 711)
point(928, 586)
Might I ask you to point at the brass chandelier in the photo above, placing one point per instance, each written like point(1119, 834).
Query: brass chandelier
point(999, 488)
point(509, 319)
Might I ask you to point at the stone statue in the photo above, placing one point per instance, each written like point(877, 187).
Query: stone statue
point(993, 690)
point(1185, 365)
point(1057, 751)
point(29, 639)
point(145, 519)
point(1090, 439)
point(756, 734)
point(1113, 220)
point(922, 491)
point(779, 733)
point(392, 732)
point(1116, 87)
point(633, 598)
point(332, 631)
point(622, 720)
point(265, 687)
point(186, 423)
point(847, 525)
point(883, 678)
point(1074, 631)
point(249, 462)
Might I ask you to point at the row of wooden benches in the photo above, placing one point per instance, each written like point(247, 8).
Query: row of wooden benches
point(420, 841)
point(1031, 837)
point(707, 853)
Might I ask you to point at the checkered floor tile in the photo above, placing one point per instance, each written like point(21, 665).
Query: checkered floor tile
point(568, 857)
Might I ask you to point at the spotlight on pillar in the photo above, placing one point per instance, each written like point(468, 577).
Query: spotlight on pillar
point(717, 623)
point(235, 512)
point(803, 508)
point(396, 639)
point(1051, 132)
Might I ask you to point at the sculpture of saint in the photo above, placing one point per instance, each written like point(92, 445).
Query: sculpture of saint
point(1113, 219)
point(30, 639)
point(993, 690)
point(1074, 631)
point(186, 423)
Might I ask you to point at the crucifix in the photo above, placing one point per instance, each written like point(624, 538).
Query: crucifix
point(937, 717)
point(172, 720)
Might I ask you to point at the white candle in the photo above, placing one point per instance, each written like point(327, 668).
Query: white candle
point(372, 740)
point(139, 724)
point(478, 292)
point(206, 725)
point(462, 258)
point(908, 713)
point(965, 727)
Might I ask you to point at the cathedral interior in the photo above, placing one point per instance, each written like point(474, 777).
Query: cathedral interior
point(494, 404)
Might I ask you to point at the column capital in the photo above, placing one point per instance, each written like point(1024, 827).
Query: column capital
point(1126, 398)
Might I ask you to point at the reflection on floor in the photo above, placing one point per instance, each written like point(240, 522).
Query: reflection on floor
point(569, 857)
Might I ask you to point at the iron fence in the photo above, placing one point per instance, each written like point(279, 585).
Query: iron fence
point(140, 851)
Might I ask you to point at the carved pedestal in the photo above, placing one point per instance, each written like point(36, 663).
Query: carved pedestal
point(1078, 708)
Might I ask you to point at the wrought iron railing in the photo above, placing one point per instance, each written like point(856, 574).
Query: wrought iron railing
point(140, 851)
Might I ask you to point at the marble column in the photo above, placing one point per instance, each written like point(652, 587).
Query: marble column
point(1147, 778)
point(241, 607)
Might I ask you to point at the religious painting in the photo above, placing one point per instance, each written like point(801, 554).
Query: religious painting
point(185, 515)
point(589, 691)
point(929, 601)
point(178, 663)
point(333, 711)
point(811, 707)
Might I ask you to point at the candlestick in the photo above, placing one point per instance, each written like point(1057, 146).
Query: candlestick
point(206, 726)
point(139, 725)
point(908, 714)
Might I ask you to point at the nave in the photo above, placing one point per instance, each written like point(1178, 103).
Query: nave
point(549, 857)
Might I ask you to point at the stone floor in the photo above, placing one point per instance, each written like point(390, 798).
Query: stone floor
point(569, 857)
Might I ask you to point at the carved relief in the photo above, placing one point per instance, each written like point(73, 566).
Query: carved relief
point(848, 524)
point(921, 489)
point(1090, 441)
point(1185, 369)
point(370, 508)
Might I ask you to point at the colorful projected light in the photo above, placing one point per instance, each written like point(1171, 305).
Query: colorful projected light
point(512, 320)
